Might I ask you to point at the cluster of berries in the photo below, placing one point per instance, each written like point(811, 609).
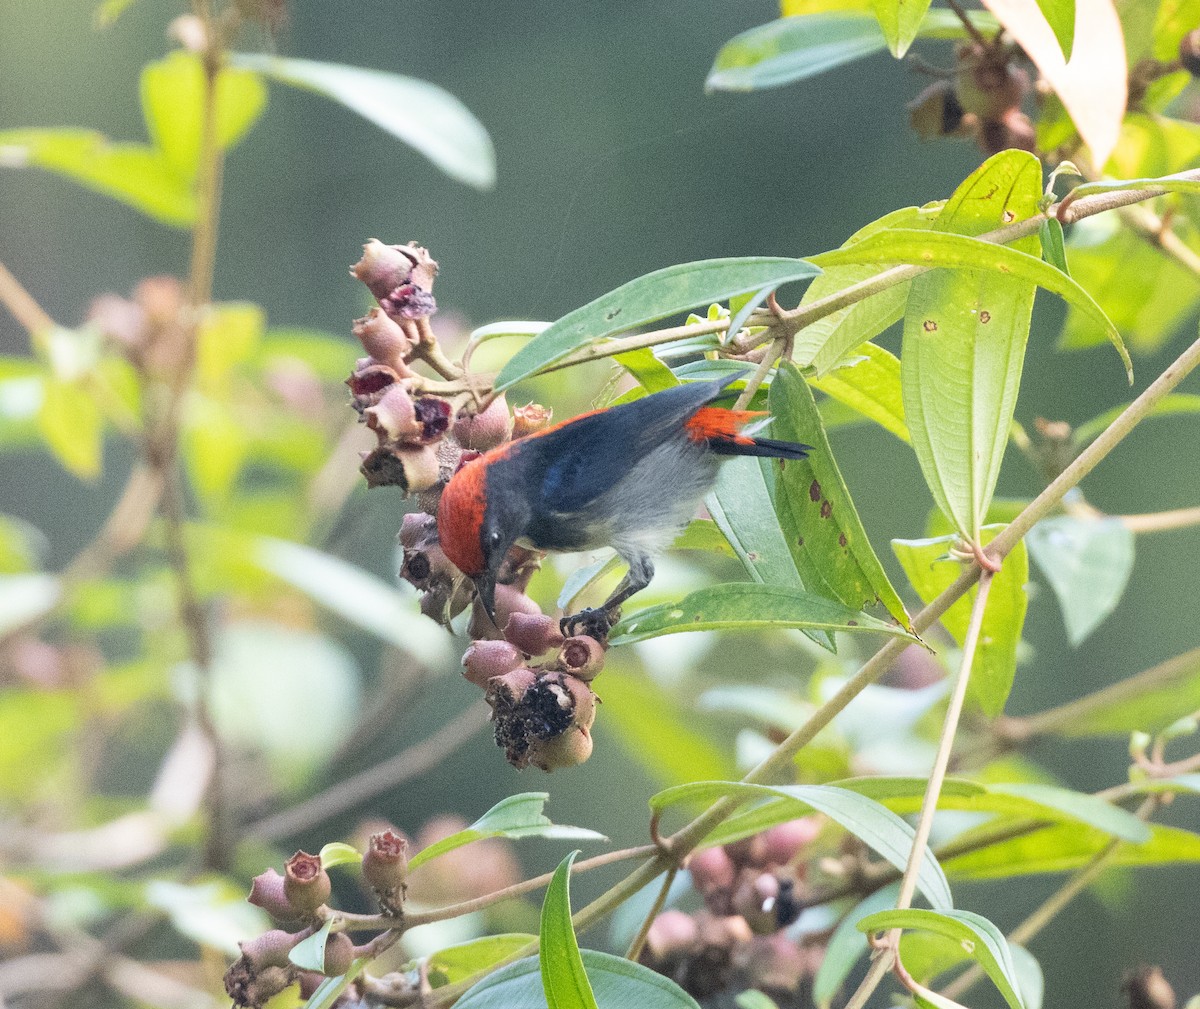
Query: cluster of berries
point(386, 390)
point(297, 902)
point(980, 98)
point(752, 891)
point(542, 713)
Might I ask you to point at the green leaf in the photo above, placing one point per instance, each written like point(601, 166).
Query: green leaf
point(650, 298)
point(426, 117)
point(309, 954)
point(73, 427)
point(1172, 405)
point(744, 606)
point(1060, 15)
point(814, 507)
point(211, 912)
point(900, 21)
point(107, 12)
point(1087, 563)
point(331, 989)
point(995, 664)
point(753, 999)
point(1067, 846)
point(339, 853)
point(1054, 251)
point(877, 827)
point(267, 680)
point(985, 943)
point(457, 963)
point(25, 597)
point(1030, 982)
point(847, 946)
point(1084, 808)
point(515, 817)
point(870, 385)
point(659, 732)
point(136, 174)
point(564, 980)
point(703, 534)
point(173, 98)
point(824, 344)
point(793, 48)
point(616, 982)
point(1145, 292)
point(644, 365)
point(357, 596)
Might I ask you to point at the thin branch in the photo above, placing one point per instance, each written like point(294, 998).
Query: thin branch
point(1157, 522)
point(345, 795)
point(769, 360)
point(22, 305)
point(639, 940)
point(1044, 723)
point(937, 775)
point(365, 922)
point(1050, 908)
point(969, 25)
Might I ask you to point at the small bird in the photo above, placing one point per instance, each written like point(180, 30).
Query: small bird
point(627, 477)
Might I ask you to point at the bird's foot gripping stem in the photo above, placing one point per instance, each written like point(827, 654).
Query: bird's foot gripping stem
point(594, 622)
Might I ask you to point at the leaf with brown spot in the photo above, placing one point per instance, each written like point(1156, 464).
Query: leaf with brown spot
point(815, 510)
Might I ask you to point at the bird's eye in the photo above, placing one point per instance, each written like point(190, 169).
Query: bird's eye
point(494, 539)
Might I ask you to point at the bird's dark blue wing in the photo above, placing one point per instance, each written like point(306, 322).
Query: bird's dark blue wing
point(587, 456)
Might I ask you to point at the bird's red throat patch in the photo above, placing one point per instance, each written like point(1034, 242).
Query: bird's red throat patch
point(460, 518)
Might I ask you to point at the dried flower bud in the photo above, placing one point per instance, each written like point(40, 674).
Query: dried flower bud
point(1146, 988)
point(722, 931)
point(1012, 130)
point(121, 321)
point(385, 868)
point(267, 891)
point(409, 302)
point(987, 84)
point(270, 949)
point(754, 899)
point(485, 659)
point(936, 111)
point(383, 339)
point(530, 418)
point(253, 988)
point(749, 852)
point(486, 429)
point(581, 656)
point(394, 417)
point(433, 414)
point(383, 268)
point(533, 633)
point(427, 567)
point(339, 953)
point(714, 876)
point(1189, 52)
point(368, 383)
point(418, 529)
point(409, 467)
point(309, 981)
point(783, 842)
point(531, 713)
point(777, 963)
point(306, 882)
point(509, 600)
point(671, 937)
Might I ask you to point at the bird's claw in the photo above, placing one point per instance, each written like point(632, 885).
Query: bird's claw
point(594, 622)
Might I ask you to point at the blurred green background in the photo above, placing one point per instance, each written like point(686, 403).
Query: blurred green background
point(612, 162)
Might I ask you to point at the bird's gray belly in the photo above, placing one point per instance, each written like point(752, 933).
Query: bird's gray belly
point(644, 511)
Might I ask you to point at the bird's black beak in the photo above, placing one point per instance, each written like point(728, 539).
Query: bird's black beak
point(485, 585)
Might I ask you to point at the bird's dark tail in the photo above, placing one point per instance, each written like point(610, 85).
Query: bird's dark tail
point(768, 448)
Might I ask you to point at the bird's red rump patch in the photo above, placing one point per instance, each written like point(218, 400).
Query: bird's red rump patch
point(460, 517)
point(711, 423)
